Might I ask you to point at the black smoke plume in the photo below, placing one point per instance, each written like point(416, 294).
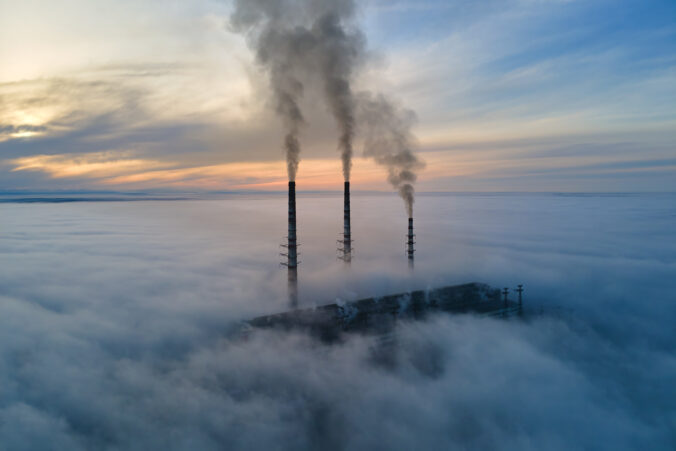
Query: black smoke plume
point(280, 50)
point(389, 141)
point(340, 50)
point(306, 41)
point(317, 43)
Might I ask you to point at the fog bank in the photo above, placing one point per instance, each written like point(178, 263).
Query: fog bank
point(115, 321)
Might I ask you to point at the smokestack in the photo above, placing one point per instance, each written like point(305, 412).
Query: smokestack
point(292, 247)
point(293, 254)
point(347, 234)
point(409, 244)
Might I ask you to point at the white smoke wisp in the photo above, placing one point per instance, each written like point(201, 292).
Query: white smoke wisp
point(389, 141)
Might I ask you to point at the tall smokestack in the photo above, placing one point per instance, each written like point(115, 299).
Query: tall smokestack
point(347, 233)
point(292, 246)
point(409, 244)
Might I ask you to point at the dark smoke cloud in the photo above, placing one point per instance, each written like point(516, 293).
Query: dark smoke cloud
point(282, 52)
point(389, 141)
point(297, 42)
point(339, 53)
point(288, 90)
point(317, 42)
point(307, 42)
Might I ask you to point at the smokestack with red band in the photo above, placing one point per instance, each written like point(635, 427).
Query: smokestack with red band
point(347, 234)
point(292, 245)
point(409, 244)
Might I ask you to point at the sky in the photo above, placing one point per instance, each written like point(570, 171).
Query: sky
point(509, 95)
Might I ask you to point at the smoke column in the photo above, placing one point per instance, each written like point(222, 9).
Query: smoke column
point(280, 49)
point(288, 108)
point(339, 52)
point(300, 42)
point(287, 89)
point(388, 140)
point(317, 43)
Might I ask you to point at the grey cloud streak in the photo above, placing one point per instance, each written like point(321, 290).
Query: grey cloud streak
point(115, 115)
point(10, 129)
point(111, 113)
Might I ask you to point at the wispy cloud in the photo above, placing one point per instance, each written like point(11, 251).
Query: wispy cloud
point(96, 165)
point(178, 88)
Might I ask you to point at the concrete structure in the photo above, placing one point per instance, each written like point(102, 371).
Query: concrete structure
point(378, 315)
point(346, 242)
point(410, 250)
point(292, 248)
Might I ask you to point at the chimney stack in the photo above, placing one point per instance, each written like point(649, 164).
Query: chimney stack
point(347, 233)
point(292, 248)
point(293, 254)
point(409, 244)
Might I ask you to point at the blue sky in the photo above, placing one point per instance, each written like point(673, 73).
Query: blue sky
point(521, 95)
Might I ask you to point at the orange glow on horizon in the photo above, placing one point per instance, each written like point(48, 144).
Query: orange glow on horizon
point(313, 174)
point(85, 166)
point(121, 169)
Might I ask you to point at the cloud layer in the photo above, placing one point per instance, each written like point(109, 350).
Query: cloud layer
point(116, 320)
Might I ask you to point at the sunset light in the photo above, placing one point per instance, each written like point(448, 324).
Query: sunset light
point(337, 225)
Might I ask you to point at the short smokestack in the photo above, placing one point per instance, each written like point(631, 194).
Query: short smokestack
point(410, 242)
point(292, 247)
point(347, 233)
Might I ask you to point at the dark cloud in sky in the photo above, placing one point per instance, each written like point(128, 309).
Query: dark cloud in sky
point(11, 129)
point(91, 116)
point(116, 115)
point(115, 319)
point(113, 113)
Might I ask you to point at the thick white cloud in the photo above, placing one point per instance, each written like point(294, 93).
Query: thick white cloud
point(115, 320)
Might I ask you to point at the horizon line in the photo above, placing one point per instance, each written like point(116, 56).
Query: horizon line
point(168, 192)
